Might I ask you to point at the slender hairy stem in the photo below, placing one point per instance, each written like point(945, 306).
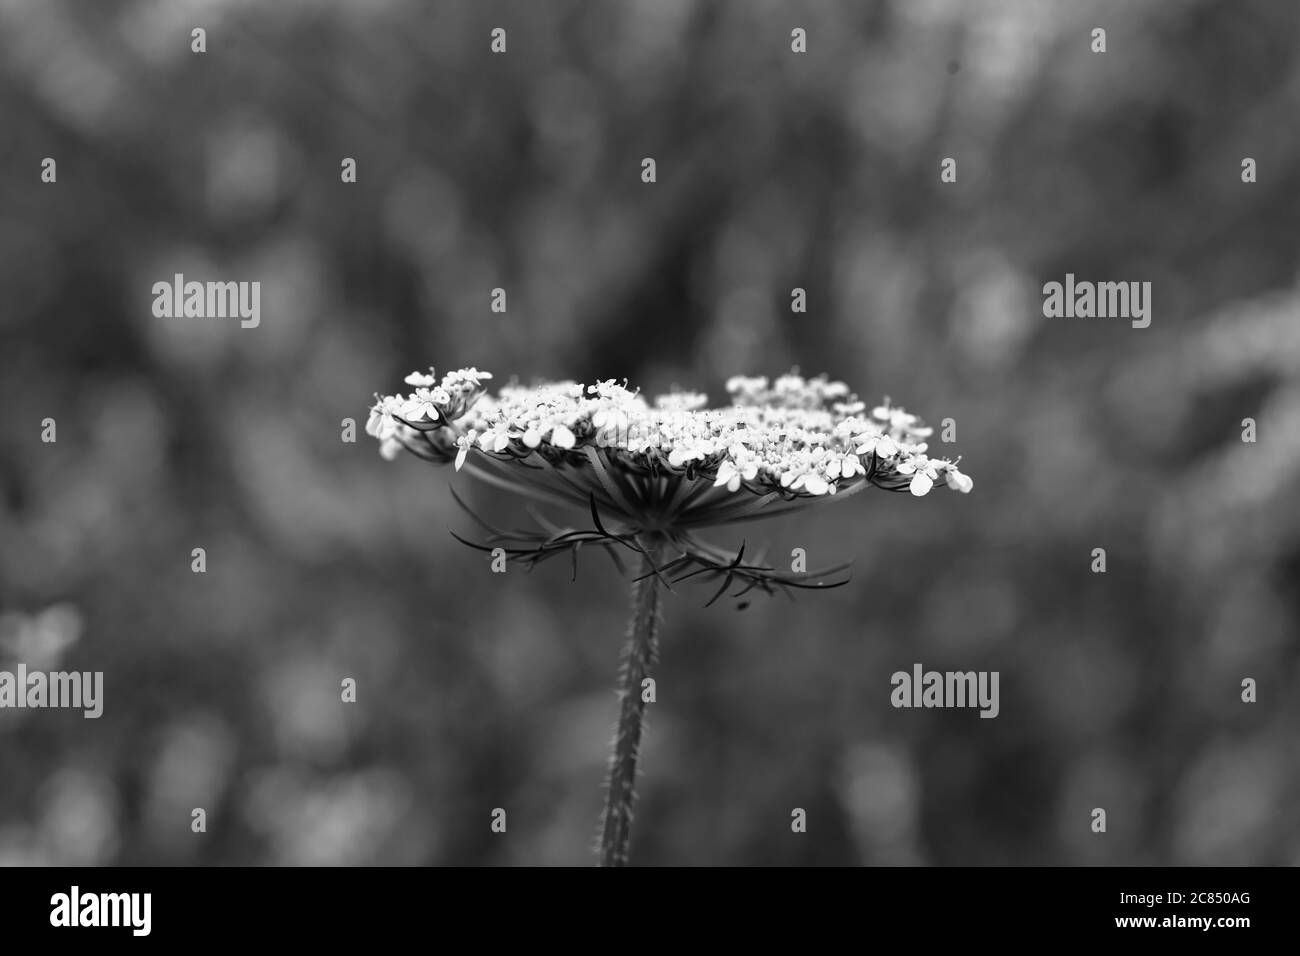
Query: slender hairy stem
point(638, 657)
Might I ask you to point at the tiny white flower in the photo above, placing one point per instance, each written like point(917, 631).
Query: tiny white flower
point(815, 484)
point(562, 437)
point(959, 482)
point(924, 474)
point(900, 420)
point(844, 467)
point(882, 445)
point(609, 417)
point(381, 424)
point(496, 438)
point(728, 475)
point(420, 405)
point(464, 443)
point(464, 377)
point(421, 378)
point(684, 452)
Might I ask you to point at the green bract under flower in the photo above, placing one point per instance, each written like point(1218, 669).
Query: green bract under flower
point(790, 438)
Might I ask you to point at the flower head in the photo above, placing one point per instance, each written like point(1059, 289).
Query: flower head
point(421, 379)
point(669, 467)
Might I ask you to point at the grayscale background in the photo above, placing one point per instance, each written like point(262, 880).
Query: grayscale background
point(775, 170)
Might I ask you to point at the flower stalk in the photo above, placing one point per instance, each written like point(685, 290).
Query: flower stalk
point(639, 656)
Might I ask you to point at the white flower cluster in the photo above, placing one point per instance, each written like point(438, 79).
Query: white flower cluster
point(802, 437)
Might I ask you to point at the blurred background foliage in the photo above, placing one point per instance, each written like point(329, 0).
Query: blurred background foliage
point(775, 170)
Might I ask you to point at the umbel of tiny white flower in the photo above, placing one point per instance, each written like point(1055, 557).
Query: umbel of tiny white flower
point(666, 468)
point(793, 438)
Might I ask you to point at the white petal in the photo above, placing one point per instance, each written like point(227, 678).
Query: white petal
point(561, 437)
point(921, 484)
point(460, 456)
